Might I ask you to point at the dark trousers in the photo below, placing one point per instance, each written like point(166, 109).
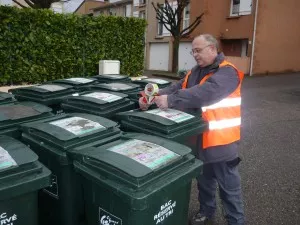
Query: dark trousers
point(226, 175)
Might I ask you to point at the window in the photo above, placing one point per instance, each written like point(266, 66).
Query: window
point(240, 7)
point(142, 15)
point(160, 26)
point(162, 30)
point(127, 10)
point(186, 17)
point(112, 12)
point(142, 2)
point(235, 47)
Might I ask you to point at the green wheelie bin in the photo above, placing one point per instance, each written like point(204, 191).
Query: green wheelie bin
point(137, 180)
point(13, 115)
point(78, 83)
point(47, 94)
point(21, 177)
point(132, 90)
point(6, 98)
point(171, 124)
point(51, 139)
point(100, 103)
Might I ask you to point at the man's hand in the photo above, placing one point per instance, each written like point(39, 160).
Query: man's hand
point(162, 101)
point(143, 105)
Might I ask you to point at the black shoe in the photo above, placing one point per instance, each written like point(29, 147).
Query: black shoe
point(199, 219)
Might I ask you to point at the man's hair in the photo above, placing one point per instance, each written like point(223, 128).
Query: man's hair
point(210, 39)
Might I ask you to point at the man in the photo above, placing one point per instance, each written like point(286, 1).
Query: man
point(213, 89)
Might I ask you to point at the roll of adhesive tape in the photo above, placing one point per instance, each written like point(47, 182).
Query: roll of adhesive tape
point(151, 89)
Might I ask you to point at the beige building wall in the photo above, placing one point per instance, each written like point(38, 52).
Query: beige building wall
point(277, 44)
point(86, 7)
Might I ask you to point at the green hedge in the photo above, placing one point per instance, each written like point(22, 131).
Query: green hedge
point(39, 45)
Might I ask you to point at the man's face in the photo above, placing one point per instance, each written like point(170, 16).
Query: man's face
point(203, 52)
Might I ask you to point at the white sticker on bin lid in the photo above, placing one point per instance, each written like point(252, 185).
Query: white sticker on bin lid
point(104, 96)
point(6, 160)
point(119, 86)
point(80, 80)
point(157, 81)
point(171, 114)
point(148, 154)
point(51, 87)
point(77, 125)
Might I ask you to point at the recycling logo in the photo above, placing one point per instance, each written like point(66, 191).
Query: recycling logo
point(107, 218)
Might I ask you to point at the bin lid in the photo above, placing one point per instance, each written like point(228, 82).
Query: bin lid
point(162, 121)
point(70, 130)
point(159, 82)
point(76, 81)
point(112, 77)
point(19, 166)
point(117, 87)
point(6, 98)
point(22, 112)
point(133, 159)
point(104, 103)
point(44, 90)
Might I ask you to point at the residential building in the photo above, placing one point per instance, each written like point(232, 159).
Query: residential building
point(115, 8)
point(87, 6)
point(259, 40)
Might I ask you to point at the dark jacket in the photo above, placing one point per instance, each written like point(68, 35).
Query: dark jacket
point(220, 85)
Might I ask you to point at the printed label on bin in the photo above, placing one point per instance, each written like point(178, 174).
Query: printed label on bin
point(118, 86)
point(6, 160)
point(80, 80)
point(166, 210)
point(157, 81)
point(8, 218)
point(77, 125)
point(171, 114)
point(106, 218)
point(104, 96)
point(51, 87)
point(149, 154)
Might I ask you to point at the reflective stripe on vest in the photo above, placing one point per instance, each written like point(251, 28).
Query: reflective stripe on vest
point(223, 117)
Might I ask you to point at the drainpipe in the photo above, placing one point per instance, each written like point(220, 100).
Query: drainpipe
point(253, 39)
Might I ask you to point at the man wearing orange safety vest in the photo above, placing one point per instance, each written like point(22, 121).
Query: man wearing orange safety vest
point(212, 88)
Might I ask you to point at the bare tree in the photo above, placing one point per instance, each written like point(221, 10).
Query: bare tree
point(37, 4)
point(172, 20)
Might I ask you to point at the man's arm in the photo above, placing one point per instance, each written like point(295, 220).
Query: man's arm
point(218, 86)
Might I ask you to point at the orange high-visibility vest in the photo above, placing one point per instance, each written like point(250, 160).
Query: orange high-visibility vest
point(223, 117)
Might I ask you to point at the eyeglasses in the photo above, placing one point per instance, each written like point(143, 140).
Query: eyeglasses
point(198, 50)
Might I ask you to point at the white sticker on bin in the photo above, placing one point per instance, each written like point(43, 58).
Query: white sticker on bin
point(104, 96)
point(77, 125)
point(148, 154)
point(51, 87)
point(80, 80)
point(119, 86)
point(171, 114)
point(157, 81)
point(6, 160)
